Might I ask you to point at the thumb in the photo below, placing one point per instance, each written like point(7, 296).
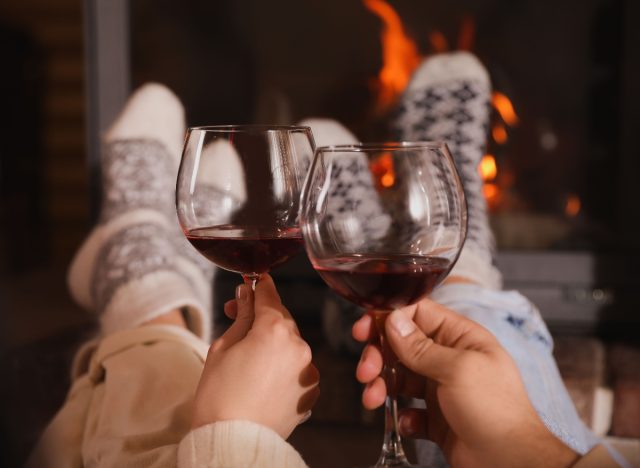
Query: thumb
point(417, 351)
point(244, 318)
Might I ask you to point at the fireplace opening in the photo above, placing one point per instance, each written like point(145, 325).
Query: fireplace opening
point(560, 154)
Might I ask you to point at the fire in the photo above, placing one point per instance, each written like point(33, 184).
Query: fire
point(572, 206)
point(399, 53)
point(400, 58)
point(467, 33)
point(503, 105)
point(499, 134)
point(438, 42)
point(383, 171)
point(488, 169)
point(491, 193)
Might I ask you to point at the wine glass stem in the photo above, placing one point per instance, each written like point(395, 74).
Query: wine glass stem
point(392, 454)
point(252, 280)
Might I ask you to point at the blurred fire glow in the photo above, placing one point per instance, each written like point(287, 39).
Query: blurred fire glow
point(572, 206)
point(503, 105)
point(400, 55)
point(438, 42)
point(467, 33)
point(488, 168)
point(499, 134)
point(400, 58)
point(491, 194)
point(383, 172)
point(489, 171)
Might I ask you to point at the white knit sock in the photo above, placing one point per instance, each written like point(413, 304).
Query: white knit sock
point(349, 188)
point(327, 132)
point(448, 99)
point(136, 264)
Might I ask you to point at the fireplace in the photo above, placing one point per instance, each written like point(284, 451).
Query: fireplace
point(561, 164)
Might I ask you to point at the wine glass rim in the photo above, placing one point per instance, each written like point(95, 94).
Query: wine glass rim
point(249, 128)
point(382, 146)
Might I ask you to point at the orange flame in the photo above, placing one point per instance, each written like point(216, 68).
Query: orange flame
point(400, 58)
point(488, 169)
point(492, 195)
point(572, 206)
point(467, 33)
point(383, 171)
point(399, 54)
point(499, 134)
point(438, 42)
point(503, 105)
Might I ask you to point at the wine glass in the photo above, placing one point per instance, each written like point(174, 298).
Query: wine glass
point(383, 224)
point(238, 193)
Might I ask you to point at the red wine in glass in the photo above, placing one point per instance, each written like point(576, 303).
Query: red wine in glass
point(383, 282)
point(384, 240)
point(248, 251)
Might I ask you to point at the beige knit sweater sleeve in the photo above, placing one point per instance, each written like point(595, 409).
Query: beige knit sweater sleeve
point(240, 444)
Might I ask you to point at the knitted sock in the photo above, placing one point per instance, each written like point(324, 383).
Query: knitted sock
point(136, 264)
point(448, 99)
point(347, 193)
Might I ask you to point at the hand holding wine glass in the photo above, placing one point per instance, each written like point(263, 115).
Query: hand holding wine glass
point(383, 224)
point(257, 172)
point(467, 380)
point(260, 369)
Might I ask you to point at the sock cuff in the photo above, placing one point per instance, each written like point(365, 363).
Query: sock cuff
point(151, 296)
point(476, 266)
point(81, 271)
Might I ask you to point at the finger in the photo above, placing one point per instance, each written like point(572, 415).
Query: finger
point(307, 400)
point(309, 376)
point(416, 351)
point(267, 297)
point(446, 327)
point(268, 303)
point(243, 321)
point(231, 309)
point(412, 422)
point(364, 329)
point(370, 364)
point(374, 394)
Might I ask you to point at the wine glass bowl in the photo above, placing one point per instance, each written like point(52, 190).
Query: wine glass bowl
point(238, 191)
point(383, 224)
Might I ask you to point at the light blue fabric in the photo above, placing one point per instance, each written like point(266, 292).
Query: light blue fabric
point(519, 328)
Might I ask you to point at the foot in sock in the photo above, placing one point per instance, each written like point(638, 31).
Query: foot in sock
point(353, 191)
point(136, 264)
point(447, 99)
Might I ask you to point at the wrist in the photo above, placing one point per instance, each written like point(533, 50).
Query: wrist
point(538, 446)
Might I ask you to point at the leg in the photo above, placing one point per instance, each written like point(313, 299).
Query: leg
point(447, 99)
point(338, 314)
point(130, 402)
point(136, 264)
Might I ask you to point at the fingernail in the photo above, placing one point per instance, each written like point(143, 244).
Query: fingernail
point(401, 323)
point(241, 293)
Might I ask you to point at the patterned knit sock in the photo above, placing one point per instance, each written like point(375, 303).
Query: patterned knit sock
point(136, 264)
point(349, 190)
point(448, 99)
